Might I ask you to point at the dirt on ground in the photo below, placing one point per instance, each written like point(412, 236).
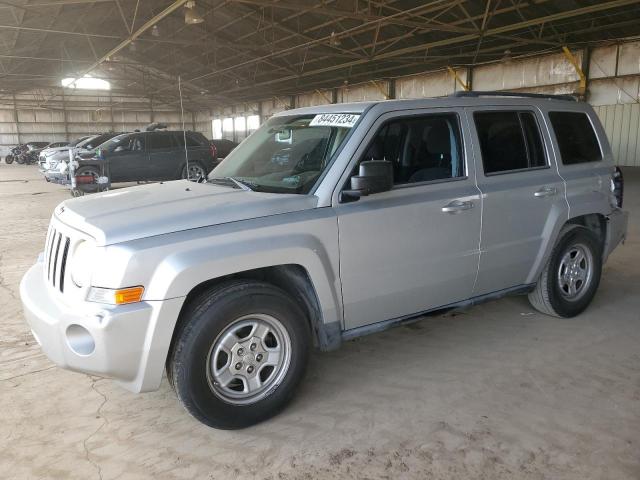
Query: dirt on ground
point(495, 392)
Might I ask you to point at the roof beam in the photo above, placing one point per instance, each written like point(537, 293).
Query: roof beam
point(605, 5)
point(366, 17)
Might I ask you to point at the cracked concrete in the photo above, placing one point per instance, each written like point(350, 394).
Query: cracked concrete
point(99, 414)
point(497, 392)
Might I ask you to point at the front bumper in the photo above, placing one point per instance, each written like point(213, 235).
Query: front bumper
point(128, 343)
point(53, 175)
point(617, 223)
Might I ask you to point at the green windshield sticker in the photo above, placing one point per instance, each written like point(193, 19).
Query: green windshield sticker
point(345, 120)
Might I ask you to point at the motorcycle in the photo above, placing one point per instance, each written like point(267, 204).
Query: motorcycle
point(16, 154)
point(22, 155)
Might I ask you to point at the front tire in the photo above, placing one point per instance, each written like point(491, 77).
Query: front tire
point(571, 276)
point(239, 353)
point(9, 159)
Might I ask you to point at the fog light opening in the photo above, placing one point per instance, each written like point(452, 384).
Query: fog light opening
point(80, 340)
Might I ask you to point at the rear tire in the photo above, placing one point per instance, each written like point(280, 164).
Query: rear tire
point(571, 276)
point(195, 172)
point(9, 159)
point(239, 353)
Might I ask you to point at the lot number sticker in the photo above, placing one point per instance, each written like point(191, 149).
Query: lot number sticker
point(346, 120)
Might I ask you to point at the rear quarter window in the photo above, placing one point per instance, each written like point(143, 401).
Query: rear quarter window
point(576, 138)
point(193, 139)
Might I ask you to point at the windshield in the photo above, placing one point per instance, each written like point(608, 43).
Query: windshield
point(287, 154)
point(84, 142)
point(112, 143)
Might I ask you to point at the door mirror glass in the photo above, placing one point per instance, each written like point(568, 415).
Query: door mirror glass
point(374, 176)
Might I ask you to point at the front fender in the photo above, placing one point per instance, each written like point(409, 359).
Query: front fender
point(170, 266)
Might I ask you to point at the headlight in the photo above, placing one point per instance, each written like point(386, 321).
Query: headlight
point(113, 296)
point(81, 261)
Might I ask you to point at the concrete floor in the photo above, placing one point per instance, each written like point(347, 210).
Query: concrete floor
point(496, 392)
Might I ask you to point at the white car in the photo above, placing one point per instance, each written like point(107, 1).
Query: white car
point(47, 153)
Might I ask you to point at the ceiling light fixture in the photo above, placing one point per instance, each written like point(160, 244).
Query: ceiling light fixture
point(86, 83)
point(191, 16)
point(334, 41)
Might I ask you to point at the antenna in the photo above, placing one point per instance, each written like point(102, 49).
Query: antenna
point(184, 132)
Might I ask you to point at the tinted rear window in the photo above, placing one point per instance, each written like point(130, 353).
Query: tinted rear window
point(192, 139)
point(509, 141)
point(160, 140)
point(576, 138)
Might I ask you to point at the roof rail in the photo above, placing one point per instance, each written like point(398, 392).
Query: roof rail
point(475, 94)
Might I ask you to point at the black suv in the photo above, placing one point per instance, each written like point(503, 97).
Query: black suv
point(156, 155)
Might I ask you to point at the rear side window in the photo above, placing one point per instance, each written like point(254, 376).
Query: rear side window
point(159, 140)
point(191, 141)
point(509, 141)
point(577, 140)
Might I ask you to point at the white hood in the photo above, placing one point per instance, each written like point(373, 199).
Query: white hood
point(144, 211)
point(47, 152)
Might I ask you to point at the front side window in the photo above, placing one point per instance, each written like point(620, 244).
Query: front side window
point(124, 143)
point(421, 148)
point(576, 139)
point(287, 154)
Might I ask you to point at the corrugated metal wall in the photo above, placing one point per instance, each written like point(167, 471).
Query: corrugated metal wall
point(622, 124)
point(34, 116)
point(614, 89)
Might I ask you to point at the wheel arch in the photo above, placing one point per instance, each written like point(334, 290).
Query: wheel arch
point(292, 278)
point(595, 222)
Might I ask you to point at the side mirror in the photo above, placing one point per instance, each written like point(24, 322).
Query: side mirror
point(374, 176)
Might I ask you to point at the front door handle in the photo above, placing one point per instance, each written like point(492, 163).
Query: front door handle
point(546, 192)
point(457, 206)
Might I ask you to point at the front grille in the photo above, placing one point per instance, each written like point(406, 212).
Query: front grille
point(56, 253)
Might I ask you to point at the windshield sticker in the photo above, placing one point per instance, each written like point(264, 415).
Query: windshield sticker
point(345, 120)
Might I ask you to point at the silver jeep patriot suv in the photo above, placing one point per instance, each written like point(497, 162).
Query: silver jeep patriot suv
point(326, 224)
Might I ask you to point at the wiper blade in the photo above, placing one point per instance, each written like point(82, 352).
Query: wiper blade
point(243, 184)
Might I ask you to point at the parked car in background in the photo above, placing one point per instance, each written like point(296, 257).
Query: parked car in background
point(148, 156)
point(85, 147)
point(328, 223)
point(223, 147)
point(50, 151)
point(55, 145)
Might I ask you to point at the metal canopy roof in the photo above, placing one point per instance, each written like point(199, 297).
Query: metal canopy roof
point(254, 49)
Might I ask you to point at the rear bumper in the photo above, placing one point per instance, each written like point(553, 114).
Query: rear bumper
point(128, 343)
point(617, 223)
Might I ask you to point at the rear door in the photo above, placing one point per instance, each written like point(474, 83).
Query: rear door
point(164, 156)
point(523, 194)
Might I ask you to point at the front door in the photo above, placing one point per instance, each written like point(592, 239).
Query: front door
point(413, 248)
point(129, 162)
point(523, 194)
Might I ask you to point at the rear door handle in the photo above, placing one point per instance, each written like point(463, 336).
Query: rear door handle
point(457, 206)
point(546, 192)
